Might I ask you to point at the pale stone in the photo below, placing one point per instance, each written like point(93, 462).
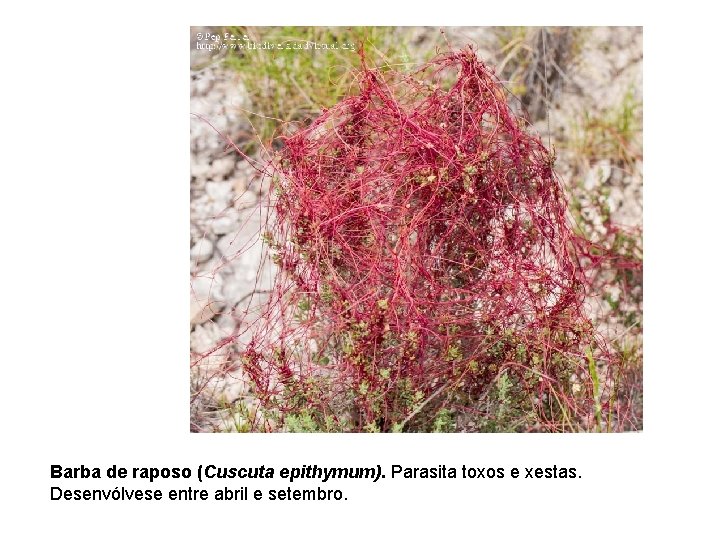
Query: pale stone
point(202, 250)
point(205, 298)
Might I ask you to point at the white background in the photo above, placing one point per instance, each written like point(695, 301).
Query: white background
point(94, 298)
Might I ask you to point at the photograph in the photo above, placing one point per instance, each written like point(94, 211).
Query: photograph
point(399, 229)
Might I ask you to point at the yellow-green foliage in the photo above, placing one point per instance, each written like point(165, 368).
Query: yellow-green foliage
point(295, 85)
point(614, 135)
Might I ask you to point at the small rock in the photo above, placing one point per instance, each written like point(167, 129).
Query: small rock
point(615, 199)
point(226, 322)
point(200, 169)
point(203, 338)
point(235, 290)
point(230, 245)
point(246, 199)
point(223, 166)
point(245, 259)
point(226, 223)
point(618, 177)
point(250, 177)
point(239, 185)
point(623, 58)
point(234, 387)
point(598, 175)
point(205, 298)
point(202, 250)
point(245, 168)
point(260, 185)
point(202, 84)
point(219, 191)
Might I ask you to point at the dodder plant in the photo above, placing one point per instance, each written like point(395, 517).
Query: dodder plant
point(427, 266)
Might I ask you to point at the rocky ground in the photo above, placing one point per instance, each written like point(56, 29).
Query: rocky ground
point(229, 269)
point(227, 215)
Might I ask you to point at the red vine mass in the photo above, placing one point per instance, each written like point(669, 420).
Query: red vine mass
point(425, 249)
